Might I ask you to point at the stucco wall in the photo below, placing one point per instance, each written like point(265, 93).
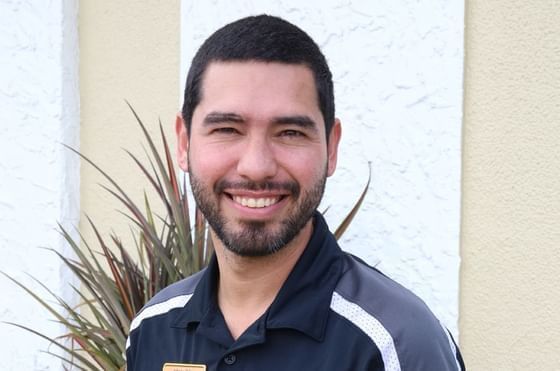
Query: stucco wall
point(511, 186)
point(510, 228)
point(398, 69)
point(39, 178)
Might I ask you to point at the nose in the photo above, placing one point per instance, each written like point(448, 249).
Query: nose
point(257, 161)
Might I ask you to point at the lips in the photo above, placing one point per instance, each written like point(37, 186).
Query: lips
point(258, 196)
point(256, 203)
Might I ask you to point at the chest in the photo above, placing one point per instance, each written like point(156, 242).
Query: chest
point(259, 349)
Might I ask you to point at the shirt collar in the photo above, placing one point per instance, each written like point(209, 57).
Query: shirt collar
point(203, 299)
point(303, 302)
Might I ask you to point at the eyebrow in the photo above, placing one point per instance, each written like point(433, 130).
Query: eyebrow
point(221, 117)
point(303, 121)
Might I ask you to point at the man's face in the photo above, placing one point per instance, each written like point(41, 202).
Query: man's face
point(257, 153)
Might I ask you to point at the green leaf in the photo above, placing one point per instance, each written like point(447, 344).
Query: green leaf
point(348, 219)
point(114, 285)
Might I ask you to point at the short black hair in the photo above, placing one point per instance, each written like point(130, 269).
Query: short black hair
point(262, 38)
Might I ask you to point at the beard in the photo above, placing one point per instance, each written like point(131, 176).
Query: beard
point(257, 238)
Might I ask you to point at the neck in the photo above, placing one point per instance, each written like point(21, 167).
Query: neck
point(248, 285)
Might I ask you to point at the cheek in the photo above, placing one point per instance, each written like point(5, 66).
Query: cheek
point(210, 162)
point(305, 165)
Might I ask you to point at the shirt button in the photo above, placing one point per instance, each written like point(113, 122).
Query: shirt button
point(230, 359)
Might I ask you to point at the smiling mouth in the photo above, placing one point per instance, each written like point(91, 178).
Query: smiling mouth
point(256, 203)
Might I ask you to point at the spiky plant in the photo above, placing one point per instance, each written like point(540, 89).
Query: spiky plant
point(114, 285)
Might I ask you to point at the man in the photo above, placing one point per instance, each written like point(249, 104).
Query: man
point(258, 137)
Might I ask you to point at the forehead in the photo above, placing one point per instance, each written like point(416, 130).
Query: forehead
point(228, 71)
point(255, 85)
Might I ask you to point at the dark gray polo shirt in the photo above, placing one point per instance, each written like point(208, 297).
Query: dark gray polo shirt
point(334, 312)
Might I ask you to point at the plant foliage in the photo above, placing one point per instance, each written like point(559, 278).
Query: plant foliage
point(114, 286)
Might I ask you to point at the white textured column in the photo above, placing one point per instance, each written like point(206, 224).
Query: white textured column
point(39, 178)
point(398, 70)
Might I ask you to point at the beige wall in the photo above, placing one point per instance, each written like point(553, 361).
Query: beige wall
point(510, 293)
point(129, 49)
point(511, 208)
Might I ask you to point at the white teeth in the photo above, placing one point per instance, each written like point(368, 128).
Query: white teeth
point(256, 203)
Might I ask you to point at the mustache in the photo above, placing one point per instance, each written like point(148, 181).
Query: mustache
point(291, 187)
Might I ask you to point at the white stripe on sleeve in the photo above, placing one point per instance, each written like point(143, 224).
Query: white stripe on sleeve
point(157, 309)
point(452, 346)
point(372, 327)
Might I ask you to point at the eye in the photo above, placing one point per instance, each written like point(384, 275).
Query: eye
point(291, 133)
point(225, 130)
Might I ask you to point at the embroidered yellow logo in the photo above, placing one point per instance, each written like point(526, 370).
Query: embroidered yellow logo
point(183, 367)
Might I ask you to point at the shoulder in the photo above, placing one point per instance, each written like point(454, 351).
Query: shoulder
point(376, 293)
point(398, 322)
point(176, 295)
point(152, 326)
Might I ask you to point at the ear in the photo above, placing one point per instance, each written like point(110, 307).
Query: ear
point(332, 147)
point(182, 143)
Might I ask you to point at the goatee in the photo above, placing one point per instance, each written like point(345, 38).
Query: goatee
point(257, 238)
